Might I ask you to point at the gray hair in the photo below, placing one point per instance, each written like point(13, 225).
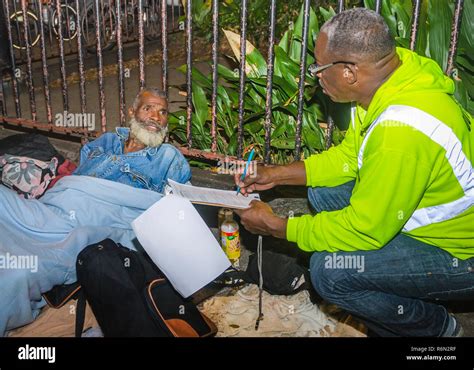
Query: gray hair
point(151, 90)
point(361, 32)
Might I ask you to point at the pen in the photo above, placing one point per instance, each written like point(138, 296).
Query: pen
point(246, 168)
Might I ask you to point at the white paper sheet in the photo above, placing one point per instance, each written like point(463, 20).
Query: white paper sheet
point(180, 243)
point(215, 197)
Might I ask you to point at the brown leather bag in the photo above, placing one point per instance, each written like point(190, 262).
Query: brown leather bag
point(178, 319)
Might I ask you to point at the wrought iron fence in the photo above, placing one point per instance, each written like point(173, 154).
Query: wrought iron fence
point(43, 29)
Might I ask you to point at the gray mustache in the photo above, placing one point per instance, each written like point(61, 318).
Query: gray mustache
point(150, 122)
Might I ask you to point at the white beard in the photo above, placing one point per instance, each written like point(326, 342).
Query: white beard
point(146, 137)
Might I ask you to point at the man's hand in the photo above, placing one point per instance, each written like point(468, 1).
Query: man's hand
point(260, 219)
point(267, 177)
point(256, 179)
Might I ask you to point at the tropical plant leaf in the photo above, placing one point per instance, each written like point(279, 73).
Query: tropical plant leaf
point(285, 67)
point(439, 19)
point(466, 38)
point(253, 127)
point(402, 17)
point(201, 108)
point(463, 61)
point(232, 147)
point(403, 42)
point(200, 10)
point(421, 45)
point(386, 12)
point(327, 14)
point(228, 74)
point(284, 43)
point(432, 41)
point(255, 65)
point(283, 143)
point(312, 139)
point(313, 29)
point(197, 76)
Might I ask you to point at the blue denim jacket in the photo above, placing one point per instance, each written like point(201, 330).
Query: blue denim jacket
point(148, 168)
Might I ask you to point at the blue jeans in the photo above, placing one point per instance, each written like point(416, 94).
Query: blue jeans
point(394, 290)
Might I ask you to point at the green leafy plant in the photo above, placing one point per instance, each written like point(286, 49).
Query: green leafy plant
point(285, 100)
point(432, 41)
point(257, 18)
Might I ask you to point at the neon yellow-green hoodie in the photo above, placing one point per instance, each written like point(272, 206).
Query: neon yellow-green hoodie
point(411, 155)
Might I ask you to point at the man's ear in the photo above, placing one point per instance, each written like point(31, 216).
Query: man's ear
point(350, 73)
point(131, 112)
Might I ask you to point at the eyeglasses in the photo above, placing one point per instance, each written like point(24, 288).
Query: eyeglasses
point(314, 69)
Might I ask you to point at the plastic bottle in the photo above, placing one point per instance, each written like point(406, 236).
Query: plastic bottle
point(222, 215)
point(230, 239)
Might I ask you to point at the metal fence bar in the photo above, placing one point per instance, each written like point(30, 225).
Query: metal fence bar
point(29, 69)
point(115, 16)
point(456, 27)
point(172, 16)
point(100, 66)
point(141, 46)
point(101, 18)
point(86, 20)
point(415, 23)
point(270, 67)
point(51, 36)
point(71, 24)
point(215, 55)
point(61, 57)
point(189, 73)
point(3, 105)
point(126, 17)
point(17, 12)
point(80, 60)
point(196, 153)
point(44, 24)
point(134, 15)
point(16, 95)
point(68, 25)
point(331, 124)
point(164, 45)
point(301, 82)
point(151, 19)
point(330, 131)
point(44, 63)
point(340, 6)
point(121, 79)
point(242, 77)
point(3, 57)
point(378, 5)
point(111, 15)
point(24, 122)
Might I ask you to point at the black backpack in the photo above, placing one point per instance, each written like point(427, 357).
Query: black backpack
point(129, 296)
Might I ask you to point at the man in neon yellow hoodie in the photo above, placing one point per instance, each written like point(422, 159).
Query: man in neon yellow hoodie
point(394, 229)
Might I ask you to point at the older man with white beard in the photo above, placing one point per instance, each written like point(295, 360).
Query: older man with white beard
point(136, 156)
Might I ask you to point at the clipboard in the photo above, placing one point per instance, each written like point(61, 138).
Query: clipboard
point(210, 196)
